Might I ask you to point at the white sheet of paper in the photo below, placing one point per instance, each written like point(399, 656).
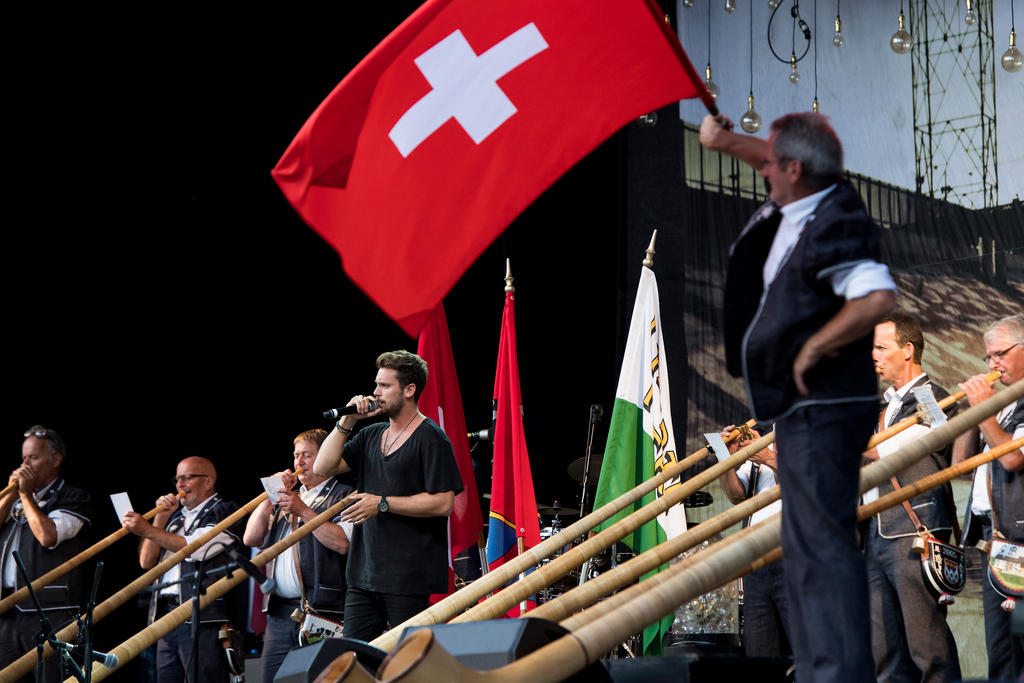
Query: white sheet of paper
point(122, 504)
point(271, 486)
point(717, 444)
point(926, 398)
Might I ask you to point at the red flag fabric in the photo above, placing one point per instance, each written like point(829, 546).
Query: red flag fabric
point(458, 120)
point(441, 401)
point(513, 504)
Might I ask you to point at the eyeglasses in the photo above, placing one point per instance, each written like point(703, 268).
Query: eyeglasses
point(188, 477)
point(997, 355)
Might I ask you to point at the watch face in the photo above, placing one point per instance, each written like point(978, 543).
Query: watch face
point(383, 506)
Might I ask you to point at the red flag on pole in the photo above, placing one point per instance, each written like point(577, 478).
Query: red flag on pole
point(441, 401)
point(513, 504)
point(458, 120)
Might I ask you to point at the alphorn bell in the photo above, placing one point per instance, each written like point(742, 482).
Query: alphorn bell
point(420, 657)
point(469, 595)
point(131, 648)
point(55, 573)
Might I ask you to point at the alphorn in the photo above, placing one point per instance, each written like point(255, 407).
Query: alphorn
point(567, 604)
point(420, 659)
point(26, 662)
point(470, 594)
point(55, 573)
point(501, 602)
point(630, 571)
point(131, 648)
point(9, 489)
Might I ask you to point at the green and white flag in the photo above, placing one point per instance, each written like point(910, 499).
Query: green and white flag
point(641, 442)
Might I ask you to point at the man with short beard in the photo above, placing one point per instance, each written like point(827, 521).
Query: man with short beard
point(407, 480)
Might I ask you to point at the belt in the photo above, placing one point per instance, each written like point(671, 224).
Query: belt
point(167, 603)
point(282, 607)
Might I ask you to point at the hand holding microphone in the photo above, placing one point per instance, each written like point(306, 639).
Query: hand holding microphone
point(361, 405)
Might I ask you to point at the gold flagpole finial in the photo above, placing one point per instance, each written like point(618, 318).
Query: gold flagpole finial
point(649, 259)
point(508, 276)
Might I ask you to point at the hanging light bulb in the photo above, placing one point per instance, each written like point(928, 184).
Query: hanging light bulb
point(794, 75)
point(687, 3)
point(773, 4)
point(710, 84)
point(814, 105)
point(751, 120)
point(1013, 59)
point(730, 6)
point(901, 41)
point(837, 39)
point(970, 18)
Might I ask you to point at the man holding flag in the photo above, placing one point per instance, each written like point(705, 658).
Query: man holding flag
point(407, 480)
point(641, 442)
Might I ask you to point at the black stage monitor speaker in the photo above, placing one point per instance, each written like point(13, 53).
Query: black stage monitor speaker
point(304, 664)
point(485, 645)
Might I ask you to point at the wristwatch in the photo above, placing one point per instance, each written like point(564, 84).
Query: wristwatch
point(383, 506)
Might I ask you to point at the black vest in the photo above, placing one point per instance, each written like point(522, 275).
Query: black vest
point(66, 592)
point(935, 508)
point(212, 513)
point(764, 330)
point(322, 569)
point(1007, 492)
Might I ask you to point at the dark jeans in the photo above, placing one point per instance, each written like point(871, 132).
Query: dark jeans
point(17, 636)
point(909, 635)
point(368, 614)
point(280, 638)
point(1005, 650)
point(820, 449)
point(174, 656)
point(765, 613)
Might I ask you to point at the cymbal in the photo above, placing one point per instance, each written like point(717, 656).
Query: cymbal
point(575, 468)
point(557, 510)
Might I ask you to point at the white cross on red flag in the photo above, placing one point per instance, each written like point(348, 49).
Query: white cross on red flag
point(458, 120)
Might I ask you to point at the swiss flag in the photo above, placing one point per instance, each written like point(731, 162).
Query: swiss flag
point(458, 120)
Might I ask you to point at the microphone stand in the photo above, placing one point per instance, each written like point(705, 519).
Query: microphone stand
point(596, 412)
point(46, 633)
point(198, 591)
point(87, 629)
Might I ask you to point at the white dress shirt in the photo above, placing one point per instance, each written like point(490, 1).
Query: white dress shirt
point(850, 281)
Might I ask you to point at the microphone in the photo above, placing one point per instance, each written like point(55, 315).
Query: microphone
point(107, 660)
point(335, 413)
point(266, 584)
point(482, 435)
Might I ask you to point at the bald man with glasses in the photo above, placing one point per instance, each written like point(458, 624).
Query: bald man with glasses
point(186, 516)
point(44, 520)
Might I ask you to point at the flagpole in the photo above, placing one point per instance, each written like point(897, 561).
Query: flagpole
point(520, 541)
point(649, 258)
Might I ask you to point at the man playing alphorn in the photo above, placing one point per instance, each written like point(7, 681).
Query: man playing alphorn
point(174, 527)
point(910, 639)
point(43, 520)
point(1004, 477)
point(407, 480)
point(313, 579)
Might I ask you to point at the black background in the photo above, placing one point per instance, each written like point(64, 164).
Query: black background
point(162, 299)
